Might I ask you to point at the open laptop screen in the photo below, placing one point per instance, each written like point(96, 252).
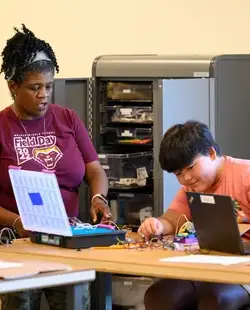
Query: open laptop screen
point(39, 202)
point(215, 222)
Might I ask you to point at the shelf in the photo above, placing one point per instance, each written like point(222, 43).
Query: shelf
point(148, 189)
point(127, 136)
point(126, 148)
point(127, 102)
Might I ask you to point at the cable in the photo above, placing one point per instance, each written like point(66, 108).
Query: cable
point(12, 237)
point(186, 226)
point(109, 222)
point(79, 225)
point(74, 221)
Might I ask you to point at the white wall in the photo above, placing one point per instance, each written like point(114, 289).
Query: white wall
point(80, 30)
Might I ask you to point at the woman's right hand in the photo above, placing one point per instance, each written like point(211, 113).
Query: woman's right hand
point(22, 233)
point(151, 227)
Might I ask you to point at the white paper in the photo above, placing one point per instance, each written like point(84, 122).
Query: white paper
point(207, 259)
point(6, 265)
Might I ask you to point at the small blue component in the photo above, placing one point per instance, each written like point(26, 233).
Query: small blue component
point(36, 199)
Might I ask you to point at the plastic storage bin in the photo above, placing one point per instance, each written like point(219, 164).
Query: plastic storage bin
point(131, 209)
point(130, 291)
point(127, 170)
point(129, 114)
point(129, 91)
point(127, 136)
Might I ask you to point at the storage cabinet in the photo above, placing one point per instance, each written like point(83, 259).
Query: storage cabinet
point(138, 97)
point(126, 147)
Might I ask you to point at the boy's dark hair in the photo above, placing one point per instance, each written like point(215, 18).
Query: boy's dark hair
point(18, 52)
point(182, 143)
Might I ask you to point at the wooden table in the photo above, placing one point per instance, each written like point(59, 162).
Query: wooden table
point(136, 262)
point(76, 275)
point(132, 262)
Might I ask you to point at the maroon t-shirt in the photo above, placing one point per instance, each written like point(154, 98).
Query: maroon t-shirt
point(57, 141)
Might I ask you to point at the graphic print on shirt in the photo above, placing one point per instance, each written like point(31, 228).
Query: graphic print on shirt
point(38, 147)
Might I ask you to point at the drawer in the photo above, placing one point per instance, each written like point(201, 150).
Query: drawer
point(127, 170)
point(131, 209)
point(130, 91)
point(128, 114)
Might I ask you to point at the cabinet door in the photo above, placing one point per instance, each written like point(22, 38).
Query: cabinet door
point(232, 105)
point(182, 100)
point(74, 94)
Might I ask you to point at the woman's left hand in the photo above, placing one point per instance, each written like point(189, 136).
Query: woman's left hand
point(99, 206)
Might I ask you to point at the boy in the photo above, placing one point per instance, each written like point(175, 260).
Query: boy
point(189, 151)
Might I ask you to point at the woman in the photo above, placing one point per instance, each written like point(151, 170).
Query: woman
point(37, 135)
point(189, 151)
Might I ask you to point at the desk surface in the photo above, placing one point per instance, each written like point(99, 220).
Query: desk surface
point(134, 262)
point(77, 274)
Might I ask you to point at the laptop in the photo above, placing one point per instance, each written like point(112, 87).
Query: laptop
point(215, 223)
point(42, 212)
